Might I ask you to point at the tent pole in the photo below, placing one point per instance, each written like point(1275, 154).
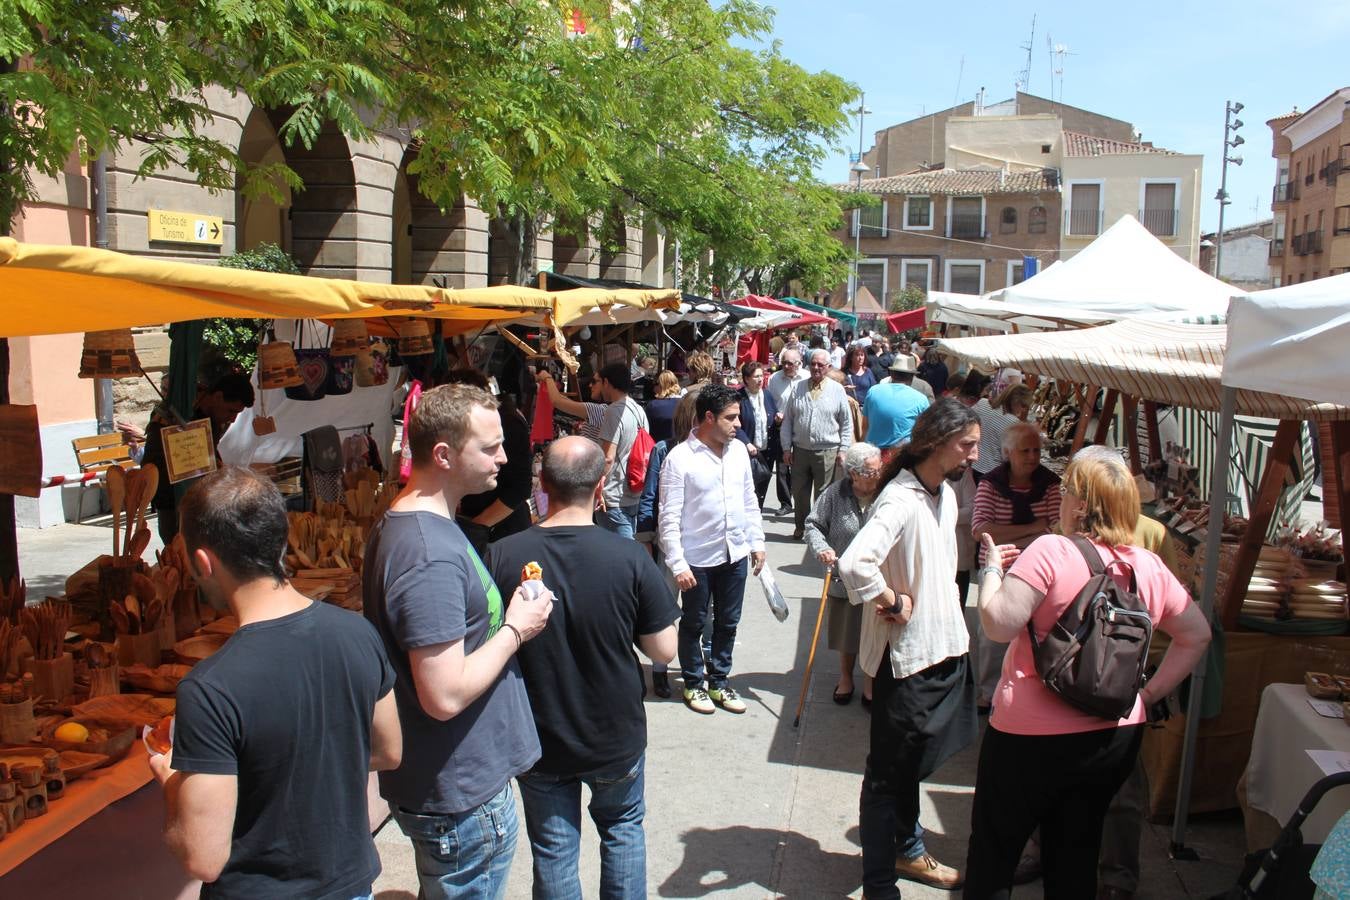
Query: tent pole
point(1218, 493)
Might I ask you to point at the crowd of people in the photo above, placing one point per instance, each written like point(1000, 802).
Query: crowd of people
point(500, 651)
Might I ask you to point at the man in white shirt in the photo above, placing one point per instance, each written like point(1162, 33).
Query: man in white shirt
point(836, 354)
point(914, 644)
point(779, 387)
point(712, 536)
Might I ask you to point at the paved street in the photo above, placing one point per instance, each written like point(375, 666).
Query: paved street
point(748, 806)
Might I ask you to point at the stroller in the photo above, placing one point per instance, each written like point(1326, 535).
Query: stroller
point(1282, 872)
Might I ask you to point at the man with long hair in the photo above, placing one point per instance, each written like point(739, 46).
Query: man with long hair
point(913, 644)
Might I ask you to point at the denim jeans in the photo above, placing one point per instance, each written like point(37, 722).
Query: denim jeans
point(722, 588)
point(553, 821)
point(621, 520)
point(464, 854)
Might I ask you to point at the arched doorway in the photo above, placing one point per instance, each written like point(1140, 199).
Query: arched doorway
point(324, 221)
point(431, 243)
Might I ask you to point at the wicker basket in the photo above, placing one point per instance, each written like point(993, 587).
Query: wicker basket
point(109, 354)
point(349, 337)
point(277, 367)
point(414, 337)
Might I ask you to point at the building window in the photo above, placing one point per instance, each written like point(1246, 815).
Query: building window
point(917, 273)
point(1343, 220)
point(872, 275)
point(1015, 272)
point(1159, 213)
point(919, 212)
point(967, 217)
point(1085, 209)
point(965, 276)
point(872, 220)
point(1036, 220)
point(1007, 220)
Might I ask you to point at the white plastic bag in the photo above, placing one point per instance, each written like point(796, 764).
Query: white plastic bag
point(777, 605)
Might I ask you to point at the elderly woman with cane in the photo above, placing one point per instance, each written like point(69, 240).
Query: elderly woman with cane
point(835, 520)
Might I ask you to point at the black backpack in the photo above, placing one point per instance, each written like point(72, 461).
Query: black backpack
point(1094, 656)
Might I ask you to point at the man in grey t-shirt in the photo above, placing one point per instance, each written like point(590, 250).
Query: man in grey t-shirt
point(618, 431)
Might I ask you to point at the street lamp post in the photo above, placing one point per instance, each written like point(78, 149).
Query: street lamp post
point(1230, 127)
point(858, 168)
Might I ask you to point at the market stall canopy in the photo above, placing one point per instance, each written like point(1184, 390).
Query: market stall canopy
point(58, 289)
point(974, 311)
point(1125, 273)
point(762, 319)
point(799, 316)
point(691, 307)
point(1292, 340)
point(845, 318)
point(909, 320)
point(864, 303)
point(1168, 362)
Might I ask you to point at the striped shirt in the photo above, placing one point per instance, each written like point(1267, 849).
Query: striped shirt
point(992, 426)
point(992, 508)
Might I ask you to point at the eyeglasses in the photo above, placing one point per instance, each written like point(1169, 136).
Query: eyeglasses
point(790, 364)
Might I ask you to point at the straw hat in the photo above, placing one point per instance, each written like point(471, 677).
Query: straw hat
point(903, 364)
point(109, 354)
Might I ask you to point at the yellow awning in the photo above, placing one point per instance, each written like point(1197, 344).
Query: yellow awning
point(59, 289)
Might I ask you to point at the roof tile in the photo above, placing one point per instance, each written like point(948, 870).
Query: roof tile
point(960, 182)
point(1076, 144)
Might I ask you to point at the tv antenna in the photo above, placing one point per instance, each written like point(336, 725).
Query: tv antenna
point(1057, 54)
point(960, 73)
point(1024, 76)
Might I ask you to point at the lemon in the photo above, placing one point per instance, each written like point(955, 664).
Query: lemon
point(72, 733)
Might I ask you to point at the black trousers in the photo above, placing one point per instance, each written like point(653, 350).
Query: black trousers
point(1063, 783)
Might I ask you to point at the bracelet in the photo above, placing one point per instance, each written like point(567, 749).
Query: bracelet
point(516, 631)
point(979, 576)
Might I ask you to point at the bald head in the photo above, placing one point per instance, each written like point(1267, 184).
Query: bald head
point(573, 467)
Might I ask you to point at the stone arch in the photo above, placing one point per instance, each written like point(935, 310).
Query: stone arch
point(263, 218)
point(452, 243)
point(620, 241)
point(323, 216)
point(573, 249)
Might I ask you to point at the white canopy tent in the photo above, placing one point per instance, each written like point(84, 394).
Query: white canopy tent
point(1292, 340)
point(1126, 273)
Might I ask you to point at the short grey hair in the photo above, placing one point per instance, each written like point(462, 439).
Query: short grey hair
point(788, 351)
point(1015, 433)
point(819, 350)
point(859, 454)
point(1101, 453)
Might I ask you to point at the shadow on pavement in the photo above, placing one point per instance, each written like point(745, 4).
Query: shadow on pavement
point(726, 859)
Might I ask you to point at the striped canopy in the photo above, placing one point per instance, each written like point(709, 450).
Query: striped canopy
point(1169, 363)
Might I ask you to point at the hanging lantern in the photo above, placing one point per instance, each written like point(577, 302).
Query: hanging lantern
point(414, 337)
point(277, 367)
point(349, 337)
point(110, 354)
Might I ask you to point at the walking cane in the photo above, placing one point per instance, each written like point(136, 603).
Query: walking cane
point(811, 657)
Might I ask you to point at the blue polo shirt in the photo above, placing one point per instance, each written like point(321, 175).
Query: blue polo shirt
point(891, 410)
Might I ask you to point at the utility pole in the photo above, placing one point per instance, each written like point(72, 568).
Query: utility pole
point(858, 168)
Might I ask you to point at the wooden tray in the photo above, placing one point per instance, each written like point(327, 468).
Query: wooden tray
point(121, 735)
point(26, 756)
point(75, 763)
point(198, 647)
point(161, 679)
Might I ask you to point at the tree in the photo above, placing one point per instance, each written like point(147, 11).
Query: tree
point(237, 339)
point(911, 296)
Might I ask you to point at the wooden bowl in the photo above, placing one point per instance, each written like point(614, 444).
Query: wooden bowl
point(120, 735)
point(193, 650)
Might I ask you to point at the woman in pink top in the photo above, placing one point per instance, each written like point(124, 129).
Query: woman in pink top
point(1042, 761)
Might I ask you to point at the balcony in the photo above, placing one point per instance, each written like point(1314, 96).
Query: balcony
point(967, 226)
point(1297, 245)
point(1276, 248)
point(1160, 222)
point(1342, 220)
point(1087, 222)
point(1284, 193)
point(1312, 242)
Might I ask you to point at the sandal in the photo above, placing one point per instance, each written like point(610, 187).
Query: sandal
point(866, 702)
point(843, 698)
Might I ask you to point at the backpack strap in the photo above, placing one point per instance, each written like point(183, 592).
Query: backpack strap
point(1090, 554)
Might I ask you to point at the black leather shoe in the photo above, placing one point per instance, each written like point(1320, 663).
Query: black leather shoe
point(661, 685)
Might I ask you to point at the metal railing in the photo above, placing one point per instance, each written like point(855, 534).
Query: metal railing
point(1284, 193)
point(1083, 221)
point(1161, 222)
point(1296, 246)
point(1312, 242)
point(1276, 247)
point(969, 226)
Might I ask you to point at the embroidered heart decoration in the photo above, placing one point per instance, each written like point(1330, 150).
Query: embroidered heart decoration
point(314, 372)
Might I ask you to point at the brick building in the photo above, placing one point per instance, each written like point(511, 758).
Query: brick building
point(1311, 202)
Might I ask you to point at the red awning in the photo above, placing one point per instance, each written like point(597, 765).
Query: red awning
point(905, 321)
point(800, 316)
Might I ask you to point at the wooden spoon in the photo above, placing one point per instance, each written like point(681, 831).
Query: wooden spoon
point(121, 621)
point(117, 493)
point(96, 654)
point(151, 613)
point(139, 542)
point(135, 491)
point(149, 485)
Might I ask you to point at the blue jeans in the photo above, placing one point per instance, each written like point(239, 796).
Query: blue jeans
point(722, 588)
point(464, 854)
point(621, 520)
point(553, 820)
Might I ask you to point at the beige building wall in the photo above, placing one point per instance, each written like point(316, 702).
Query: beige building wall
point(1122, 178)
point(1028, 142)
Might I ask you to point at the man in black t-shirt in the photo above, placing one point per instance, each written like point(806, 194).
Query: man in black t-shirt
point(584, 679)
point(276, 733)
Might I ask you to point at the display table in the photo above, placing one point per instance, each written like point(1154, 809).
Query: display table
point(1280, 771)
point(105, 838)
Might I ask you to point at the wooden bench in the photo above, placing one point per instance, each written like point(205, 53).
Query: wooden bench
point(98, 453)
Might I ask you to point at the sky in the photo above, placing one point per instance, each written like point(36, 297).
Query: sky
point(1167, 68)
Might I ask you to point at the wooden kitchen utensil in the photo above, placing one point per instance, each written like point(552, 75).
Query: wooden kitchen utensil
point(117, 495)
